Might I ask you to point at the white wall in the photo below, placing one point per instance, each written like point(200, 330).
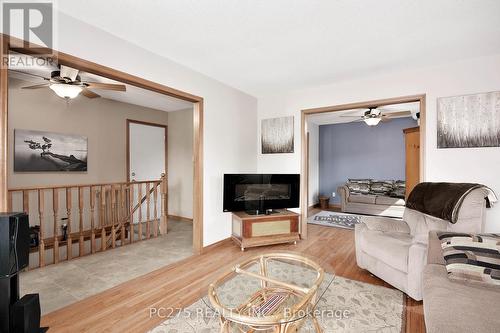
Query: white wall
point(229, 118)
point(460, 165)
point(180, 163)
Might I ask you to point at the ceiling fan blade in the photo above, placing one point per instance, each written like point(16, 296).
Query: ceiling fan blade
point(354, 111)
point(37, 86)
point(350, 116)
point(352, 121)
point(90, 94)
point(398, 114)
point(106, 86)
point(68, 72)
point(28, 74)
point(385, 119)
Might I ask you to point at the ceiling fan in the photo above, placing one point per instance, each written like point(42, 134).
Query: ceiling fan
point(66, 83)
point(373, 115)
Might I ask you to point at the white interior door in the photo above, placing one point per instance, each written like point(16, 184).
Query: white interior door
point(146, 160)
point(146, 151)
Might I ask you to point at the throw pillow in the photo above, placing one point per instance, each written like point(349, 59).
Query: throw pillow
point(358, 188)
point(381, 187)
point(398, 193)
point(359, 180)
point(399, 189)
point(474, 257)
point(400, 183)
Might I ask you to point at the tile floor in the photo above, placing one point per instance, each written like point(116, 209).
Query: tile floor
point(62, 284)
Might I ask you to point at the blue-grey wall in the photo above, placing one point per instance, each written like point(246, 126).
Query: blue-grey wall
point(356, 150)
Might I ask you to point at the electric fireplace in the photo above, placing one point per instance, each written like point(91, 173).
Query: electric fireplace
point(260, 193)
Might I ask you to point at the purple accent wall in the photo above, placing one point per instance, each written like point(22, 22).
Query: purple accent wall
point(355, 150)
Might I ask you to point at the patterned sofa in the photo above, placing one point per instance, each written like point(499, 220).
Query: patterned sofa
point(373, 197)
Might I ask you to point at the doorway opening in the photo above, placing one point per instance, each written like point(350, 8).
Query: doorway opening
point(360, 168)
point(146, 150)
point(80, 199)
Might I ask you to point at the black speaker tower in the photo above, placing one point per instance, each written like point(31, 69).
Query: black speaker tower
point(19, 316)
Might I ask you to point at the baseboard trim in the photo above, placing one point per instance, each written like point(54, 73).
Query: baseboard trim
point(336, 207)
point(216, 244)
point(332, 206)
point(180, 218)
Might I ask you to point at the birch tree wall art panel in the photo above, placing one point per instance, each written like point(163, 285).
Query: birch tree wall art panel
point(277, 135)
point(469, 121)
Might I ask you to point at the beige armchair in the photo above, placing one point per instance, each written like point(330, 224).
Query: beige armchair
point(396, 250)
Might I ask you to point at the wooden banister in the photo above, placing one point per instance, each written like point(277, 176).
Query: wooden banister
point(139, 204)
point(69, 248)
point(92, 219)
point(9, 202)
point(148, 204)
point(81, 243)
point(50, 187)
point(113, 215)
point(138, 207)
point(55, 210)
point(131, 214)
point(41, 245)
point(155, 211)
point(105, 213)
point(164, 203)
point(26, 202)
point(103, 218)
point(123, 214)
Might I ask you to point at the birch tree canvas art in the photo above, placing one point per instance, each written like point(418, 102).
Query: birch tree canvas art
point(277, 135)
point(469, 121)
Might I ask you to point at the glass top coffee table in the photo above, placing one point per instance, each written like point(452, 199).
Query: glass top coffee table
point(273, 292)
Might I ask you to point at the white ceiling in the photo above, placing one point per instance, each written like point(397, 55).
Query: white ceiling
point(338, 117)
point(262, 46)
point(32, 74)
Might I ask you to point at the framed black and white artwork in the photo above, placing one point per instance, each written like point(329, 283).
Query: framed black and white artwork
point(277, 135)
point(469, 121)
point(36, 151)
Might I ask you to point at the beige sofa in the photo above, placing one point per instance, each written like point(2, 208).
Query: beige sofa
point(396, 250)
point(456, 306)
point(370, 204)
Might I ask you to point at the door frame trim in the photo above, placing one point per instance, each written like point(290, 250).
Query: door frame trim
point(304, 167)
point(146, 123)
point(8, 43)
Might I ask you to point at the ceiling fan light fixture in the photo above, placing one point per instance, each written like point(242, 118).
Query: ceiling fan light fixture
point(66, 90)
point(372, 121)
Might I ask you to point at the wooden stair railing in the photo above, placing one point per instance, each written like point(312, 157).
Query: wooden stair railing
point(78, 220)
point(126, 220)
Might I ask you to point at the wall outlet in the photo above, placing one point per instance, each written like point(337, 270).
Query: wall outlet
point(334, 194)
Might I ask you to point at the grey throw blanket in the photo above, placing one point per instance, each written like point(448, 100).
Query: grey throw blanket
point(443, 200)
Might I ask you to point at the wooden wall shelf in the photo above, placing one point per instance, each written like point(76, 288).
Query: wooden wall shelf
point(260, 230)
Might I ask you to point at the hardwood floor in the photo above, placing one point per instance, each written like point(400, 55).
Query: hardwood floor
point(126, 307)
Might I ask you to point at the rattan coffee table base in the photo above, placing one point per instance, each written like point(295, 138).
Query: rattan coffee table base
point(278, 306)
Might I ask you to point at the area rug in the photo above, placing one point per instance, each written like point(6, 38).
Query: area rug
point(346, 306)
point(334, 219)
